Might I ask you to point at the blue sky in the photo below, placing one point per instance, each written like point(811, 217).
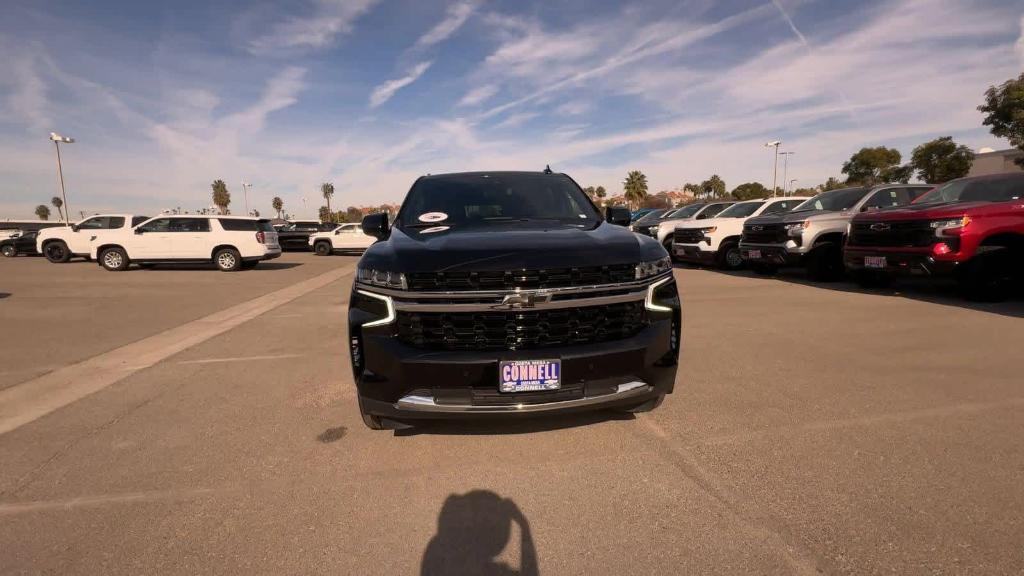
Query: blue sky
point(164, 97)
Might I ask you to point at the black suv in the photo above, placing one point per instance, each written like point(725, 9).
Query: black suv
point(507, 293)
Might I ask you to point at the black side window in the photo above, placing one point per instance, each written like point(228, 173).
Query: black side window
point(712, 211)
point(115, 222)
point(136, 220)
point(234, 225)
point(885, 198)
point(780, 207)
point(98, 223)
point(158, 225)
point(190, 225)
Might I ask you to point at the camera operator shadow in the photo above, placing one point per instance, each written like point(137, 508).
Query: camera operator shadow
point(472, 531)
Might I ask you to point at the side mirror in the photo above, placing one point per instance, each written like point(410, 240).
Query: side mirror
point(338, 231)
point(74, 227)
point(376, 225)
point(618, 215)
point(139, 230)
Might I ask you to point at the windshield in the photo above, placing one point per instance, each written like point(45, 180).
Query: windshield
point(977, 190)
point(741, 210)
point(687, 211)
point(652, 216)
point(481, 199)
point(834, 200)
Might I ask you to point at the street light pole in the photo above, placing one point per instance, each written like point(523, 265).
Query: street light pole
point(785, 170)
point(57, 139)
point(245, 193)
point(775, 170)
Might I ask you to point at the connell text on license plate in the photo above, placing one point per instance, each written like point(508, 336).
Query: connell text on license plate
point(529, 375)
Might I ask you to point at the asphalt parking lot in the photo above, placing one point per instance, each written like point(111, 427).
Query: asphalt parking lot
point(191, 421)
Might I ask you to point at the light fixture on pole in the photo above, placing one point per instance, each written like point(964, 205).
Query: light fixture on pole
point(775, 171)
point(785, 170)
point(57, 141)
point(791, 185)
point(245, 194)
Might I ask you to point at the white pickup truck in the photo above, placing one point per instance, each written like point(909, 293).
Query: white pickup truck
point(717, 240)
point(346, 237)
point(62, 243)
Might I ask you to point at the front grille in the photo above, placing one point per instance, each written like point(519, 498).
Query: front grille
point(687, 235)
point(511, 279)
point(893, 234)
point(764, 234)
point(520, 329)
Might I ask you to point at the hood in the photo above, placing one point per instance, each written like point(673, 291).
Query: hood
point(707, 222)
point(931, 211)
point(522, 246)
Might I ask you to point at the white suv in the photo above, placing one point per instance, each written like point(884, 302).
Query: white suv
point(344, 237)
point(717, 240)
point(230, 242)
point(62, 243)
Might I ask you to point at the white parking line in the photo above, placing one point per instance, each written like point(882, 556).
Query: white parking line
point(241, 359)
point(35, 398)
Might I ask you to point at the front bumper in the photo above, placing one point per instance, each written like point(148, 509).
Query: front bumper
point(397, 380)
point(900, 262)
point(770, 254)
point(692, 253)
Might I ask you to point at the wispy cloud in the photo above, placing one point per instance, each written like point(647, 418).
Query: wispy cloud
point(478, 95)
point(455, 16)
point(792, 26)
point(27, 96)
point(328, 19)
point(385, 91)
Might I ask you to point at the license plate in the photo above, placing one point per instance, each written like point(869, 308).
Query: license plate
point(874, 262)
point(680, 251)
point(529, 375)
point(753, 254)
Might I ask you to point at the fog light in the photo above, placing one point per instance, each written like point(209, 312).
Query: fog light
point(942, 248)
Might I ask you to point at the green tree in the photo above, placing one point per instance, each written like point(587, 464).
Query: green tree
point(600, 192)
point(713, 187)
point(325, 214)
point(804, 192)
point(327, 189)
point(941, 160)
point(590, 192)
point(750, 191)
point(831, 184)
point(1004, 112)
point(57, 203)
point(221, 196)
point(277, 204)
point(635, 187)
point(876, 165)
point(354, 214)
point(43, 212)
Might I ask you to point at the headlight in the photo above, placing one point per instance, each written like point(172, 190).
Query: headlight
point(952, 223)
point(798, 228)
point(653, 268)
point(709, 230)
point(382, 278)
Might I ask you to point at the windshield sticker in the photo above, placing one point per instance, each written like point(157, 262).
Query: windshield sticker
point(434, 229)
point(433, 217)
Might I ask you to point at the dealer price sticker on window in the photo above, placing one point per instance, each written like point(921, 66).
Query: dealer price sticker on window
point(529, 375)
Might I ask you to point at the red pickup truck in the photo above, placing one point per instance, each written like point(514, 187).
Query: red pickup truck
point(971, 229)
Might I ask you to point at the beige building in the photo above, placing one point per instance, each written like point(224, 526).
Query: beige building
point(988, 161)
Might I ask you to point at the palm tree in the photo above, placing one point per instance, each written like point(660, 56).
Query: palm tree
point(221, 196)
point(327, 189)
point(635, 186)
point(43, 212)
point(57, 203)
point(277, 204)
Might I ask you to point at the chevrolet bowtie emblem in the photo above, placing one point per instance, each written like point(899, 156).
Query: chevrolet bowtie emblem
point(880, 227)
point(524, 300)
point(757, 228)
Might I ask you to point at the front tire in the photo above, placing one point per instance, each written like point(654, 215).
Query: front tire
point(322, 249)
point(57, 252)
point(9, 251)
point(729, 256)
point(228, 260)
point(667, 244)
point(115, 259)
point(825, 263)
point(987, 277)
point(372, 421)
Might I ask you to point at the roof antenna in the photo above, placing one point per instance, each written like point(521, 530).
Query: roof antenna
point(547, 169)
